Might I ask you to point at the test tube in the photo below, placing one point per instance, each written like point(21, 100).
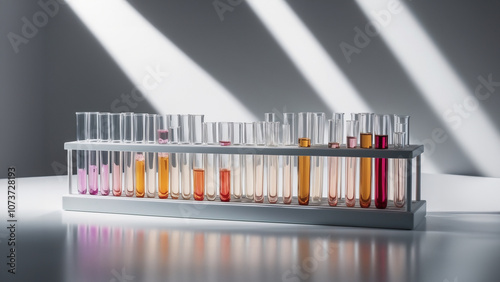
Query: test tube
point(116, 137)
point(272, 140)
point(382, 128)
point(162, 122)
point(304, 165)
point(318, 128)
point(247, 164)
point(237, 139)
point(269, 117)
point(351, 163)
point(151, 138)
point(365, 166)
point(81, 156)
point(198, 159)
point(210, 138)
point(225, 137)
point(340, 116)
point(335, 134)
point(185, 158)
point(260, 140)
point(140, 160)
point(288, 139)
point(401, 140)
point(174, 135)
point(105, 136)
point(93, 155)
point(128, 157)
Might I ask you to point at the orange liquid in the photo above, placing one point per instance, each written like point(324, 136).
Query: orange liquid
point(304, 174)
point(199, 184)
point(365, 173)
point(139, 178)
point(225, 184)
point(163, 175)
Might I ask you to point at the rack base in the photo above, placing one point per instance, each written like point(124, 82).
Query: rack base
point(248, 211)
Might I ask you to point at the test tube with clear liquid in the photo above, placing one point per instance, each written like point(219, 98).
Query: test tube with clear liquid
point(272, 140)
point(105, 137)
point(81, 155)
point(185, 158)
point(128, 157)
point(335, 138)
point(151, 161)
point(258, 159)
point(116, 156)
point(174, 135)
point(317, 167)
point(288, 139)
point(237, 139)
point(210, 138)
point(93, 177)
point(352, 134)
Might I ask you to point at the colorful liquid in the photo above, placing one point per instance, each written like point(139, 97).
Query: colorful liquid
point(199, 184)
point(365, 173)
point(304, 173)
point(259, 178)
point(352, 142)
point(272, 179)
point(117, 179)
point(93, 179)
point(224, 143)
point(163, 175)
point(333, 180)
point(82, 181)
point(162, 136)
point(105, 179)
point(225, 184)
point(333, 145)
point(381, 142)
point(139, 175)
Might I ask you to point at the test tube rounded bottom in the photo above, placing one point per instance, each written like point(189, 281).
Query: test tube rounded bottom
point(399, 169)
point(139, 175)
point(117, 180)
point(105, 179)
point(163, 179)
point(82, 181)
point(225, 184)
point(93, 179)
point(199, 184)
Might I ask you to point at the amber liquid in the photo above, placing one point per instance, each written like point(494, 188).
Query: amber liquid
point(139, 175)
point(163, 175)
point(365, 173)
point(225, 184)
point(199, 184)
point(304, 174)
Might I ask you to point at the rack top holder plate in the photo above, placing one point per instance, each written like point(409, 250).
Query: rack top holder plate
point(406, 218)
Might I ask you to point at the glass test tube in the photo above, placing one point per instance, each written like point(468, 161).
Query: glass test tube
point(128, 157)
point(365, 166)
point(81, 155)
point(401, 140)
point(382, 128)
point(185, 158)
point(116, 137)
point(247, 163)
point(340, 116)
point(140, 160)
point(225, 137)
point(260, 140)
point(304, 165)
point(210, 138)
point(162, 122)
point(198, 159)
point(105, 136)
point(174, 135)
point(318, 137)
point(151, 137)
point(237, 139)
point(351, 163)
point(289, 139)
point(272, 139)
point(93, 155)
point(335, 134)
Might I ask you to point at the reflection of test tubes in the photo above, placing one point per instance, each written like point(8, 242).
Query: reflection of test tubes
point(162, 123)
point(174, 135)
point(225, 137)
point(140, 161)
point(198, 159)
point(304, 165)
point(116, 156)
point(401, 140)
point(184, 158)
point(151, 137)
point(351, 163)
point(247, 163)
point(382, 128)
point(93, 155)
point(335, 131)
point(272, 139)
point(237, 139)
point(318, 138)
point(105, 124)
point(260, 140)
point(128, 157)
point(210, 138)
point(81, 156)
point(289, 139)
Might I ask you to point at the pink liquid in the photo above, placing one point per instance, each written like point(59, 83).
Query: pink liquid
point(93, 178)
point(352, 142)
point(381, 142)
point(224, 143)
point(162, 136)
point(117, 180)
point(82, 181)
point(105, 180)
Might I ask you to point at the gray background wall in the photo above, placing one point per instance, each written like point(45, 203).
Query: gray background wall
point(64, 69)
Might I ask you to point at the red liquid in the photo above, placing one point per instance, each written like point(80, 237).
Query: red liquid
point(199, 184)
point(225, 184)
point(224, 143)
point(381, 142)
